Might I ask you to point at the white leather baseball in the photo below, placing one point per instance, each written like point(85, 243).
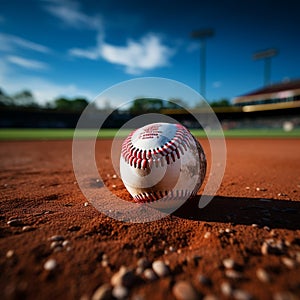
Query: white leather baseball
point(162, 164)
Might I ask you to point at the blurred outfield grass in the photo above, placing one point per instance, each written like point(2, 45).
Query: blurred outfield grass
point(57, 134)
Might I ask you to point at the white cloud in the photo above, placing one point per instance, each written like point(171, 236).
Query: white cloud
point(136, 56)
point(10, 42)
point(69, 13)
point(26, 63)
point(92, 53)
point(43, 90)
point(147, 54)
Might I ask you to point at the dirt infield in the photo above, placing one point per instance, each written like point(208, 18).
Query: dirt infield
point(254, 219)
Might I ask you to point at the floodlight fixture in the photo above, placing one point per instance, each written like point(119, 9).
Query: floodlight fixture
point(202, 35)
point(266, 55)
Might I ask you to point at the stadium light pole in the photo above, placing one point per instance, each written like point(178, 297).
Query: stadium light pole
point(266, 55)
point(202, 35)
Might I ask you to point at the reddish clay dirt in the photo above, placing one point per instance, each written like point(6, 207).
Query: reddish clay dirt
point(40, 199)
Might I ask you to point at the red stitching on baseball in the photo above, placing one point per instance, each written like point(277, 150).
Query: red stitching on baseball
point(147, 197)
point(170, 151)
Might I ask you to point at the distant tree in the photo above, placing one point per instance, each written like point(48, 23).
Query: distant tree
point(220, 103)
point(143, 105)
point(5, 100)
point(78, 104)
point(176, 103)
point(62, 104)
point(24, 99)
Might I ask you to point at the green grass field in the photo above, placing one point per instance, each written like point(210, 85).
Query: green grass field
point(55, 134)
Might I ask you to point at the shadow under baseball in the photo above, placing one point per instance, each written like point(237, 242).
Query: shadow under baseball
point(284, 214)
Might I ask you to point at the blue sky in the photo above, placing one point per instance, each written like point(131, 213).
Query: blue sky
point(80, 48)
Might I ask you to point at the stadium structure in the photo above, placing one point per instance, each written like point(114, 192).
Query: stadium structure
point(281, 96)
point(276, 105)
point(273, 106)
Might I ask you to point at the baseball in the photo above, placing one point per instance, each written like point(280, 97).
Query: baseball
point(162, 164)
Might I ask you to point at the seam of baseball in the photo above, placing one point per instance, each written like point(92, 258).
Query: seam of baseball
point(170, 151)
point(152, 196)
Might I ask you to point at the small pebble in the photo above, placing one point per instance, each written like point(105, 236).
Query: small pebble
point(139, 271)
point(86, 204)
point(233, 274)
point(228, 230)
point(66, 243)
point(183, 290)
point(104, 263)
point(58, 249)
point(124, 277)
point(102, 293)
point(262, 275)
point(50, 264)
point(247, 187)
point(15, 222)
point(55, 244)
point(143, 263)
point(56, 238)
point(172, 249)
point(267, 228)
point(113, 186)
point(259, 189)
point(265, 248)
point(229, 263)
point(271, 246)
point(10, 253)
point(120, 292)
point(114, 176)
point(207, 235)
point(226, 289)
point(160, 268)
point(288, 262)
point(254, 225)
point(27, 228)
point(149, 274)
point(241, 295)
